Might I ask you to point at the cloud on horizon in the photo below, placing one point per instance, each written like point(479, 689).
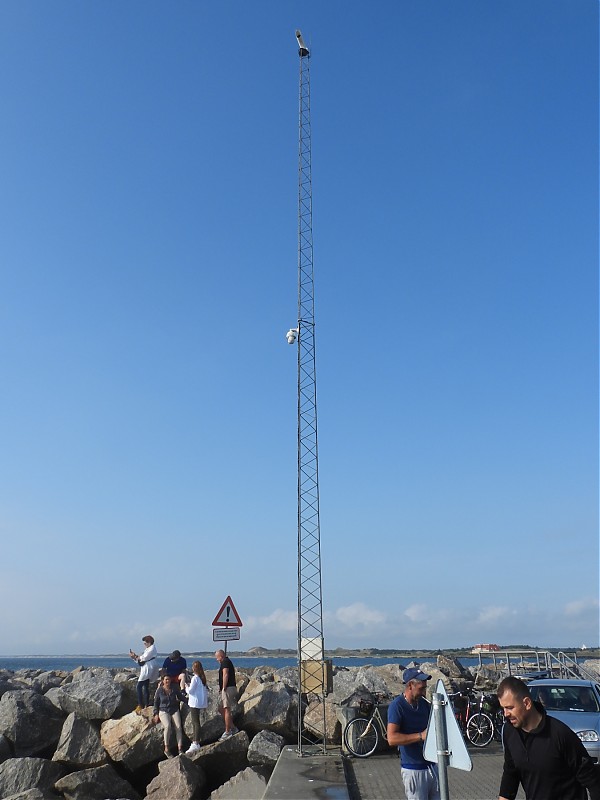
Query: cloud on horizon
point(571, 624)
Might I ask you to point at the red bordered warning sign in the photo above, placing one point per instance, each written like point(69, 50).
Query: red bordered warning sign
point(227, 616)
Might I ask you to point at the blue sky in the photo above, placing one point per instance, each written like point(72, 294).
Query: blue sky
point(148, 264)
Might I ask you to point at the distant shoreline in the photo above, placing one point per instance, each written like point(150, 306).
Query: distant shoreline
point(265, 653)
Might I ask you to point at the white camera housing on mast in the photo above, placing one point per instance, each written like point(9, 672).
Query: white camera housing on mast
point(292, 335)
point(303, 50)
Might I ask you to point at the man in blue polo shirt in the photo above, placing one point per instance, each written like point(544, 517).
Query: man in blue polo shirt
point(408, 716)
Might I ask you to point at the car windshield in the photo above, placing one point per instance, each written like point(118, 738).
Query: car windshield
point(565, 698)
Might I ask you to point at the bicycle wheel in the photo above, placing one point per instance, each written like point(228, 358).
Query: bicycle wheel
point(480, 730)
point(361, 737)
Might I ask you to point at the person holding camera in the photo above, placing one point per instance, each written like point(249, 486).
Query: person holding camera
point(148, 672)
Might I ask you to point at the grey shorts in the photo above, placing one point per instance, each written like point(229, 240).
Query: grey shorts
point(228, 697)
point(421, 784)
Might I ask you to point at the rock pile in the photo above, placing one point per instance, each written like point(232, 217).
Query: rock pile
point(76, 735)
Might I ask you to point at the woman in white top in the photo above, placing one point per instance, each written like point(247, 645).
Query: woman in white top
point(149, 669)
point(197, 692)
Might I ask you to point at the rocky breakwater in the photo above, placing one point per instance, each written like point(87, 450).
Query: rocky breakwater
point(76, 735)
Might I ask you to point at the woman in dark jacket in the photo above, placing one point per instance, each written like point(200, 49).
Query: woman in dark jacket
point(166, 709)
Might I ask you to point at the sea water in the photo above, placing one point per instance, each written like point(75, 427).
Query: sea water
point(69, 663)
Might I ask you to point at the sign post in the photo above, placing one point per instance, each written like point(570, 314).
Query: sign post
point(444, 743)
point(441, 735)
point(228, 618)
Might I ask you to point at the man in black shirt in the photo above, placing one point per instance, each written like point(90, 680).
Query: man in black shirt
point(227, 692)
point(541, 752)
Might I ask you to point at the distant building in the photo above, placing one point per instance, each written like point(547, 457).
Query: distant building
point(485, 648)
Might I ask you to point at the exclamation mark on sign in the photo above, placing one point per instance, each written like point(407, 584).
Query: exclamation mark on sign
point(228, 611)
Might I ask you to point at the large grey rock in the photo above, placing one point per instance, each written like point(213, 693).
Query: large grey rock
point(5, 749)
point(49, 680)
point(32, 794)
point(451, 667)
point(392, 678)
point(30, 722)
point(450, 684)
point(21, 682)
point(347, 687)
point(178, 778)
point(246, 785)
point(265, 748)
point(288, 676)
point(316, 714)
point(20, 774)
point(93, 694)
point(98, 783)
point(223, 760)
point(487, 678)
point(592, 665)
point(79, 745)
point(269, 706)
point(5, 686)
point(53, 696)
point(128, 683)
point(132, 740)
point(373, 679)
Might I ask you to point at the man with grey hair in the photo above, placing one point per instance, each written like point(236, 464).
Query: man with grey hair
point(227, 693)
point(408, 716)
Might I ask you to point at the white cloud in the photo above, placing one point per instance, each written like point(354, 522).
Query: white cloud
point(419, 613)
point(185, 629)
point(278, 620)
point(493, 614)
point(585, 606)
point(358, 615)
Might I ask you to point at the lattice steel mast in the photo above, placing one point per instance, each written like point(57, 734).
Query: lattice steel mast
point(312, 672)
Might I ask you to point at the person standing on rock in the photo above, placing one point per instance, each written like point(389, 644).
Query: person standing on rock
point(166, 710)
point(408, 716)
point(540, 752)
point(148, 672)
point(227, 692)
point(197, 693)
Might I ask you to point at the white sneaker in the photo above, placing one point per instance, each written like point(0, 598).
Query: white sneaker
point(193, 749)
point(226, 735)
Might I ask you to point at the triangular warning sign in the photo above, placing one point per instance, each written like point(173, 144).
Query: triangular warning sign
point(458, 755)
point(227, 616)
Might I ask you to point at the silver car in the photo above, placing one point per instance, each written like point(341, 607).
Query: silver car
point(574, 702)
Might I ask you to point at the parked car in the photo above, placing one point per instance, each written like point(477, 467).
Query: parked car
point(576, 703)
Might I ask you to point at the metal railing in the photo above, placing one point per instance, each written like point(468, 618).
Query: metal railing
point(528, 662)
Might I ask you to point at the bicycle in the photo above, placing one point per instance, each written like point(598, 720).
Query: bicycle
point(476, 724)
point(361, 735)
point(498, 720)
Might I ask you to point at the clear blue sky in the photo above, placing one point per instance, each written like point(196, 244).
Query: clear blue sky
point(148, 186)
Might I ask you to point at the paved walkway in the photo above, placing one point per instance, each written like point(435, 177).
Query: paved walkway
point(307, 777)
point(378, 777)
point(337, 777)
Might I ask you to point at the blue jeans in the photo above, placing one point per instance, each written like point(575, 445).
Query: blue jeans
point(143, 693)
